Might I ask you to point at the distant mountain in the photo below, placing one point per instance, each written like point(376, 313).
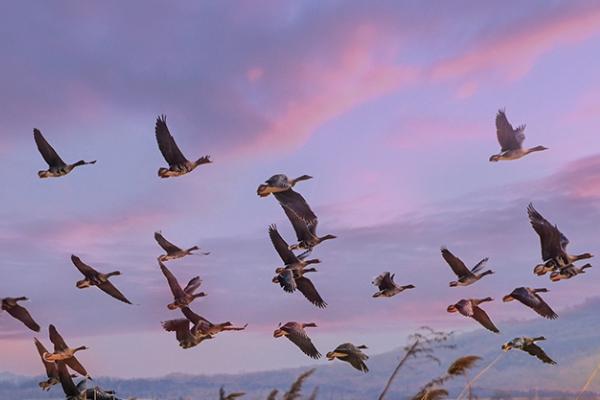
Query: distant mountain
point(573, 341)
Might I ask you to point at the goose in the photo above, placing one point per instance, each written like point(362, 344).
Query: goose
point(568, 272)
point(230, 396)
point(51, 371)
point(178, 164)
point(173, 252)
point(279, 183)
point(387, 286)
point(182, 297)
point(351, 354)
point(511, 140)
point(291, 276)
point(306, 232)
point(528, 345)
point(293, 203)
point(72, 391)
point(295, 332)
point(57, 167)
point(200, 330)
point(465, 276)
point(100, 280)
point(470, 308)
point(553, 243)
point(64, 353)
point(532, 299)
point(11, 306)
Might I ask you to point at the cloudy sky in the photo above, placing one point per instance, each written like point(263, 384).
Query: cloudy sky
point(389, 105)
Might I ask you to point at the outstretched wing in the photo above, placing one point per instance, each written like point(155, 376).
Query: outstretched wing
point(286, 281)
point(165, 244)
point(481, 316)
point(305, 231)
point(108, 288)
point(49, 154)
point(385, 281)
point(508, 137)
point(535, 302)
point(537, 351)
point(76, 366)
point(172, 281)
point(167, 144)
point(21, 313)
point(294, 202)
point(306, 287)
point(193, 317)
point(303, 342)
point(85, 269)
point(180, 326)
point(51, 371)
point(192, 285)
point(56, 339)
point(66, 381)
point(479, 265)
point(552, 241)
point(281, 246)
point(458, 267)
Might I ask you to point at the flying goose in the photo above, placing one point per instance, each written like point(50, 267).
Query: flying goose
point(57, 167)
point(51, 371)
point(178, 164)
point(528, 345)
point(72, 391)
point(279, 183)
point(291, 276)
point(351, 354)
point(306, 232)
point(173, 252)
point(532, 299)
point(553, 243)
point(568, 272)
point(470, 308)
point(295, 332)
point(387, 286)
point(230, 396)
point(200, 330)
point(100, 280)
point(511, 140)
point(64, 353)
point(182, 297)
point(465, 276)
point(9, 304)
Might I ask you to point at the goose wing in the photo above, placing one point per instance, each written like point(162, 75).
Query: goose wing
point(66, 381)
point(286, 281)
point(355, 359)
point(20, 313)
point(172, 281)
point(47, 152)
point(180, 326)
point(85, 269)
point(165, 244)
point(385, 281)
point(304, 230)
point(193, 317)
point(303, 342)
point(479, 265)
point(51, 371)
point(552, 241)
point(534, 301)
point(508, 137)
point(481, 316)
point(110, 289)
point(306, 287)
point(458, 267)
point(76, 366)
point(281, 246)
point(192, 285)
point(537, 351)
point(292, 200)
point(56, 339)
point(166, 143)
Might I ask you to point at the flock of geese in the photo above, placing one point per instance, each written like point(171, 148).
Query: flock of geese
point(192, 329)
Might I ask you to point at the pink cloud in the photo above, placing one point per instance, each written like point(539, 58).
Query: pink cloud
point(579, 179)
point(513, 51)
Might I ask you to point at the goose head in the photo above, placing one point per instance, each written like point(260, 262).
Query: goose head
point(507, 298)
point(452, 308)
point(453, 284)
point(495, 158)
point(44, 174)
point(163, 172)
point(507, 346)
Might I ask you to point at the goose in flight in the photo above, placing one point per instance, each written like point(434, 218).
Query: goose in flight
point(178, 164)
point(173, 252)
point(291, 276)
point(387, 286)
point(528, 345)
point(98, 279)
point(51, 371)
point(200, 329)
point(511, 140)
point(306, 232)
point(295, 332)
point(181, 297)
point(72, 391)
point(553, 243)
point(351, 354)
point(530, 298)
point(279, 183)
point(465, 276)
point(568, 272)
point(470, 308)
point(11, 306)
point(64, 353)
point(57, 167)
point(230, 396)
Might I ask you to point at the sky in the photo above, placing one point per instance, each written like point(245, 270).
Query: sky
point(389, 105)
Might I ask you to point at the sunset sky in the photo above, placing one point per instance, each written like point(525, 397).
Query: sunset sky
point(389, 105)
